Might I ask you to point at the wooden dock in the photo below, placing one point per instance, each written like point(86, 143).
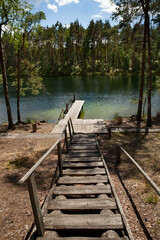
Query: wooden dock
point(75, 110)
point(83, 126)
point(80, 125)
point(82, 204)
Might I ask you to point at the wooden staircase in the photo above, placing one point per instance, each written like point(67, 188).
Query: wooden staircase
point(83, 203)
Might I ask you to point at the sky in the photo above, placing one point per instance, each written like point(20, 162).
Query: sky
point(67, 11)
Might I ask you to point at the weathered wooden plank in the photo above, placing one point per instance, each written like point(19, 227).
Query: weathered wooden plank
point(87, 121)
point(82, 164)
point(83, 142)
point(83, 172)
point(83, 135)
point(82, 147)
point(60, 158)
point(81, 238)
point(83, 138)
point(82, 190)
point(92, 221)
point(77, 151)
point(83, 180)
point(85, 154)
point(84, 159)
point(75, 110)
point(33, 193)
point(82, 204)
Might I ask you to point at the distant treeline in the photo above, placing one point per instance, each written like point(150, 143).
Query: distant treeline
point(98, 49)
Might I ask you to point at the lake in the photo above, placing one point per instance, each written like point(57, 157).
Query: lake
point(105, 97)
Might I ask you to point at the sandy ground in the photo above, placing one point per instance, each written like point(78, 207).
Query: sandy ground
point(140, 203)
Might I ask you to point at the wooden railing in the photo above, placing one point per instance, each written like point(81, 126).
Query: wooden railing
point(29, 177)
point(63, 112)
point(119, 149)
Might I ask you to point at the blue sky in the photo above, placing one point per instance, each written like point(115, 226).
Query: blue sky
point(67, 11)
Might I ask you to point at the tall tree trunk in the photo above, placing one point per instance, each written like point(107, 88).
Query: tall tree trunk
point(18, 87)
point(5, 83)
point(149, 120)
point(139, 112)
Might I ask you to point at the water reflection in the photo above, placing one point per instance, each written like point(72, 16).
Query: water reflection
point(104, 97)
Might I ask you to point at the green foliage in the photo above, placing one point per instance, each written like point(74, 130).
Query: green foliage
point(1, 80)
point(30, 80)
point(29, 121)
point(116, 115)
point(98, 49)
point(158, 83)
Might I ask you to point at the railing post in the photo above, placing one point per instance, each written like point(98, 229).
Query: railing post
point(118, 153)
point(69, 127)
point(66, 107)
point(33, 193)
point(66, 140)
point(60, 158)
point(72, 125)
point(109, 133)
point(74, 98)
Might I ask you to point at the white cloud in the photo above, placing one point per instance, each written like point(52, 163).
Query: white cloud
point(35, 2)
point(106, 5)
point(97, 16)
point(65, 2)
point(52, 7)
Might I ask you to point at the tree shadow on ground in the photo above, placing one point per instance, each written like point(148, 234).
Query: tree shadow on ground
point(146, 232)
point(133, 144)
point(44, 173)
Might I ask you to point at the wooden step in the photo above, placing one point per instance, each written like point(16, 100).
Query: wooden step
point(83, 135)
point(85, 154)
point(84, 147)
point(83, 142)
point(82, 204)
point(84, 172)
point(88, 221)
point(77, 151)
point(82, 164)
point(84, 159)
point(81, 238)
point(82, 190)
point(83, 180)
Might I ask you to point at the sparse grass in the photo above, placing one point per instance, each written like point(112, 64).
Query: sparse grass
point(29, 121)
point(152, 198)
point(116, 115)
point(19, 163)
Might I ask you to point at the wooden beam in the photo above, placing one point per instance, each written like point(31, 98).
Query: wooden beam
point(36, 165)
point(66, 140)
point(92, 221)
point(33, 193)
point(60, 158)
point(156, 188)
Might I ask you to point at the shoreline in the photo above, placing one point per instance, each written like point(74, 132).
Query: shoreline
point(124, 123)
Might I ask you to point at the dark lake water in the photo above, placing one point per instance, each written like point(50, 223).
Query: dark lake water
point(105, 97)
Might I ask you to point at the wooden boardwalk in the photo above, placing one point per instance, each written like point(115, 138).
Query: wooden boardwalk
point(83, 203)
point(75, 110)
point(83, 126)
point(73, 113)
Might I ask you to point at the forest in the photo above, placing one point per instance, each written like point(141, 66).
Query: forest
point(98, 49)
point(28, 50)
